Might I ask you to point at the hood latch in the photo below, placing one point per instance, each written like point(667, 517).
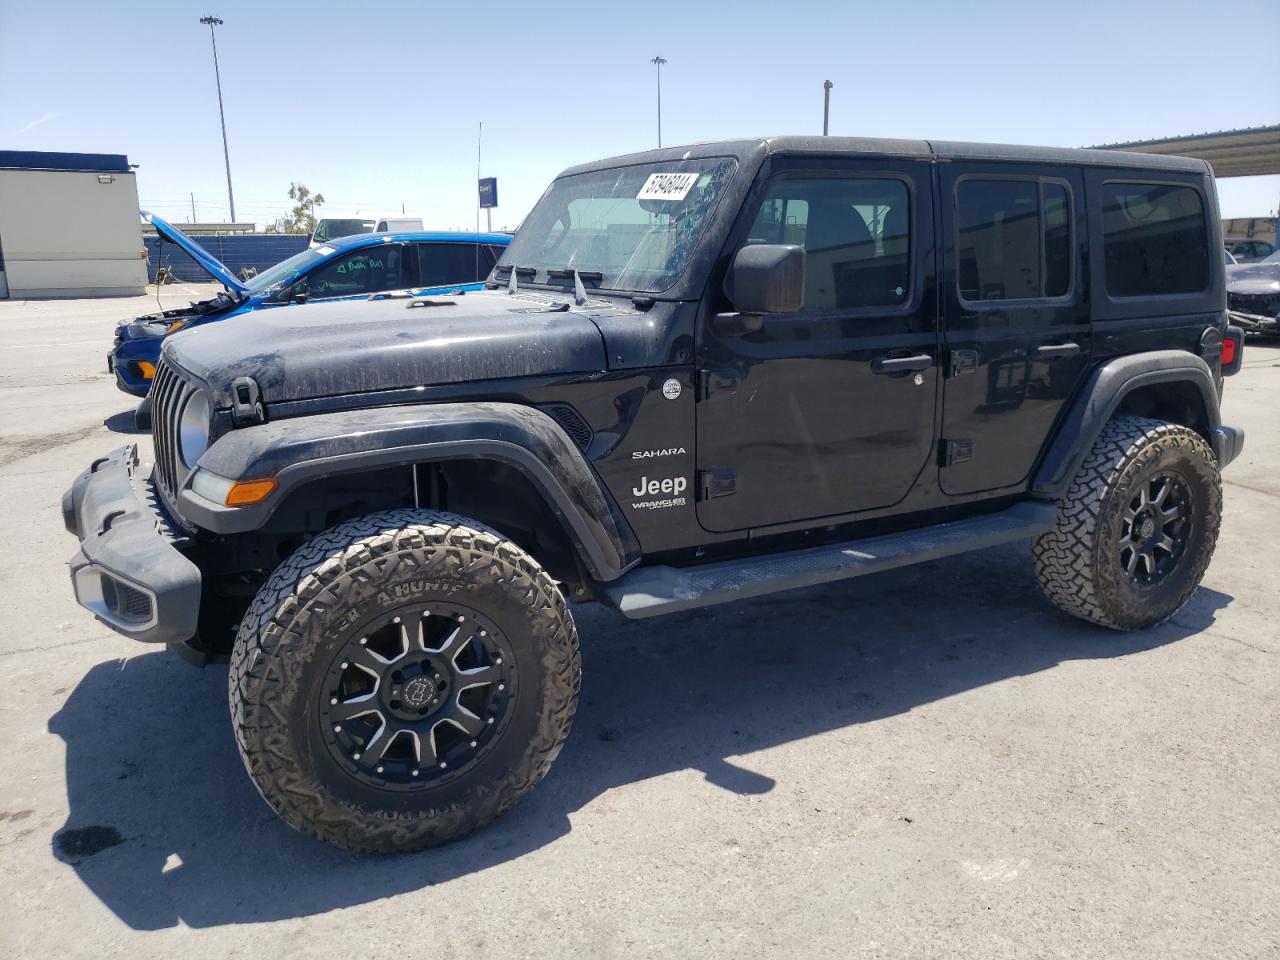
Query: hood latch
point(246, 402)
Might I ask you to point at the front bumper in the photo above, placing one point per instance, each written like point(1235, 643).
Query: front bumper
point(126, 359)
point(128, 572)
point(1254, 322)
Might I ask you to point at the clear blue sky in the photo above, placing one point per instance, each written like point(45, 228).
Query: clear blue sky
point(376, 102)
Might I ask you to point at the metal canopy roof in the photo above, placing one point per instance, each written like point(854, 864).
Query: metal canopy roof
point(1251, 152)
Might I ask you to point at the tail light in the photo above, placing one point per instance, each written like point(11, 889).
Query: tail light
point(1232, 351)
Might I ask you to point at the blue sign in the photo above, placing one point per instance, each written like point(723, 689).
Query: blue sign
point(488, 193)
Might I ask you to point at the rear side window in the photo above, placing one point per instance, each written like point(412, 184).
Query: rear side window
point(1014, 240)
point(1154, 239)
point(440, 264)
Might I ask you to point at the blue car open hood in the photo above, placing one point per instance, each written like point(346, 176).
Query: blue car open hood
point(199, 254)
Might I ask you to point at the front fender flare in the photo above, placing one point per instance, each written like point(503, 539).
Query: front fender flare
point(1101, 396)
point(303, 449)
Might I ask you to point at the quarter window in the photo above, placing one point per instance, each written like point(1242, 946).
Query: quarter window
point(856, 235)
point(1014, 240)
point(1154, 239)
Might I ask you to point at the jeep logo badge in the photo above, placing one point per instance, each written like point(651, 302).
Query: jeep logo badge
point(671, 389)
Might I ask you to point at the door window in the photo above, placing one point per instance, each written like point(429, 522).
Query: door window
point(367, 270)
point(440, 264)
point(856, 235)
point(1154, 239)
point(1014, 240)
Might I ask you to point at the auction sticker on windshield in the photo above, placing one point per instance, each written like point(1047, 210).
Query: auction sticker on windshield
point(667, 186)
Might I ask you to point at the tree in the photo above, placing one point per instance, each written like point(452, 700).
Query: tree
point(302, 218)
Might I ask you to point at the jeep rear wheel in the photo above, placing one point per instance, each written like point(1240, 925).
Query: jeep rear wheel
point(1136, 528)
point(402, 680)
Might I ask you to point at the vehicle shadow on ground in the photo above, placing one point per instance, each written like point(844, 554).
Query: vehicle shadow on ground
point(156, 787)
point(123, 422)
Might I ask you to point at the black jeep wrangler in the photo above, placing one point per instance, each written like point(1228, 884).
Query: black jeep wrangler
point(699, 374)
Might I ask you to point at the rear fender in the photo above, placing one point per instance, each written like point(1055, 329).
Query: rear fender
point(1104, 394)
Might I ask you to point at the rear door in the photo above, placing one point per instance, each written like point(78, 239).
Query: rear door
point(830, 410)
point(1016, 331)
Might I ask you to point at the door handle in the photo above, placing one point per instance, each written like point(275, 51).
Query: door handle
point(1057, 350)
point(920, 361)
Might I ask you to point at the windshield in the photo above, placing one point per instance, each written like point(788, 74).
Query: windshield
point(287, 269)
point(333, 229)
point(1274, 258)
point(634, 227)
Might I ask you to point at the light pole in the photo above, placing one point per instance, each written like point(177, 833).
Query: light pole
point(215, 22)
point(658, 62)
point(826, 104)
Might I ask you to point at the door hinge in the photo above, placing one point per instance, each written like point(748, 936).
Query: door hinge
point(716, 381)
point(963, 361)
point(951, 452)
point(716, 482)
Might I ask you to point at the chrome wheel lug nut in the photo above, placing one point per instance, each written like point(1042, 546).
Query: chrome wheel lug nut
point(364, 641)
point(379, 769)
point(355, 756)
point(333, 701)
point(473, 744)
point(443, 765)
point(416, 772)
point(345, 664)
point(337, 729)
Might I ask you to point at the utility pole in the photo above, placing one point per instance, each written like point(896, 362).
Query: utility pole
point(193, 208)
point(658, 62)
point(826, 104)
point(215, 22)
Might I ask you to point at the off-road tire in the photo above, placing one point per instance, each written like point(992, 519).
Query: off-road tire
point(291, 631)
point(1078, 563)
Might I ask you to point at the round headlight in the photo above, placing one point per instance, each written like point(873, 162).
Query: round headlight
point(193, 428)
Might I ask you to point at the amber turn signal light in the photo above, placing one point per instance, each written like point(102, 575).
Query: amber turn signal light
point(245, 492)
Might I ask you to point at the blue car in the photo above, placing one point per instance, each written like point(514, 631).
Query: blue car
point(344, 269)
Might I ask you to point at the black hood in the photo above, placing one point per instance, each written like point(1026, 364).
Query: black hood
point(331, 349)
point(1254, 278)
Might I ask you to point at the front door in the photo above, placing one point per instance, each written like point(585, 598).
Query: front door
point(1016, 325)
point(830, 410)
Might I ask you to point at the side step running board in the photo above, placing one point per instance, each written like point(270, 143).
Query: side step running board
point(650, 591)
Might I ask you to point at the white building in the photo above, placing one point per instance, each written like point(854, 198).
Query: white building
point(69, 226)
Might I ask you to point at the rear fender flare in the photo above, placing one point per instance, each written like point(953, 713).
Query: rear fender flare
point(299, 450)
point(1102, 395)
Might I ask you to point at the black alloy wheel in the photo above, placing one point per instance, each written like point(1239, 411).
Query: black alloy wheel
point(417, 696)
point(1156, 526)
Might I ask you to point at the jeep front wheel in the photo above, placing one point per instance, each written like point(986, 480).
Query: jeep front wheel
point(1136, 528)
point(402, 680)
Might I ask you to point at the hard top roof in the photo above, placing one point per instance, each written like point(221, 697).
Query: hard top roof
point(917, 149)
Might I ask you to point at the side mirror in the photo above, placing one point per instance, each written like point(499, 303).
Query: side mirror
point(767, 278)
point(299, 295)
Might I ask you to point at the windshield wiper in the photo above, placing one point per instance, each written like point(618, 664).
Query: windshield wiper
point(522, 271)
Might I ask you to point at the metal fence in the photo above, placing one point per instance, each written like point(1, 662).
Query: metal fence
point(258, 251)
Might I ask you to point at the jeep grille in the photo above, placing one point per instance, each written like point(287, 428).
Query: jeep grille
point(168, 393)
